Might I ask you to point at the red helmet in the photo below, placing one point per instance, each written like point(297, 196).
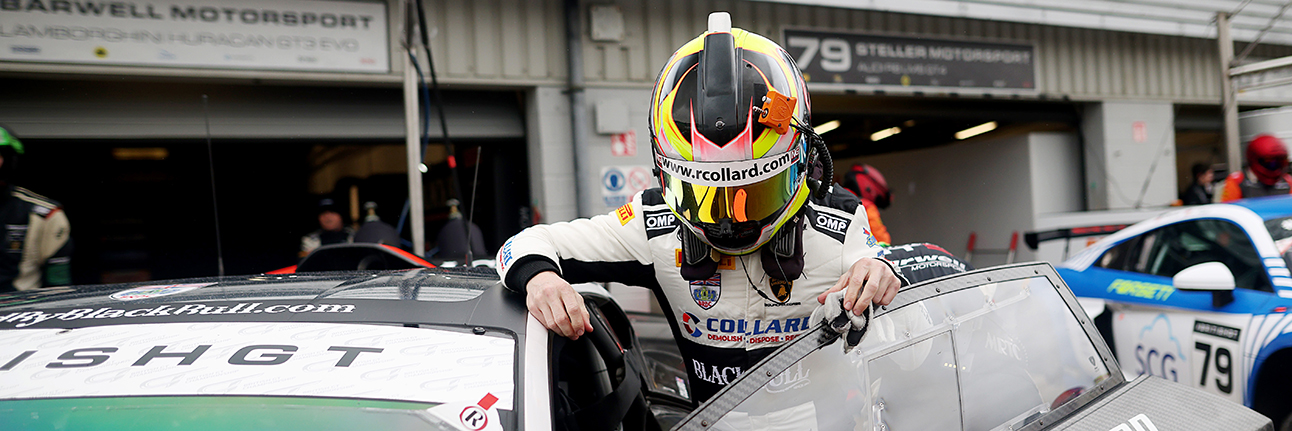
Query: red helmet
point(867, 183)
point(1267, 158)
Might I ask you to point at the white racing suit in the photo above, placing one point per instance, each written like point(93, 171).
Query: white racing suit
point(724, 325)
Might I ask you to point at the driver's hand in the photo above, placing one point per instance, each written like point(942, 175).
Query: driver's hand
point(867, 280)
point(557, 306)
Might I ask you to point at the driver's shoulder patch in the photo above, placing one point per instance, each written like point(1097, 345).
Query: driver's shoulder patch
point(659, 221)
point(833, 224)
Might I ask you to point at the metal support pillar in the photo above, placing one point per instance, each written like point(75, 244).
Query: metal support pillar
point(413, 151)
point(1228, 97)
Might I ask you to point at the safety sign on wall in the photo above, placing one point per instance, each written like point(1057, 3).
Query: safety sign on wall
point(620, 183)
point(624, 144)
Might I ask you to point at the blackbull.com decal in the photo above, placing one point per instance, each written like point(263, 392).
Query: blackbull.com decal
point(22, 319)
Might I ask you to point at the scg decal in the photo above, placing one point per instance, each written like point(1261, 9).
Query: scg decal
point(1158, 352)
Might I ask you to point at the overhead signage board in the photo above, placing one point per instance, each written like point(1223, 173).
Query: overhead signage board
point(866, 61)
point(287, 35)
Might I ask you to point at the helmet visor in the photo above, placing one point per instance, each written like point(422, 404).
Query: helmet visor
point(741, 191)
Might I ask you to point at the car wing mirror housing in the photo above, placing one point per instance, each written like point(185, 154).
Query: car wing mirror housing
point(1212, 277)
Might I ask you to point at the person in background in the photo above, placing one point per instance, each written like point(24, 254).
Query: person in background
point(37, 234)
point(374, 230)
point(868, 184)
point(1266, 173)
point(332, 228)
point(452, 239)
point(1199, 193)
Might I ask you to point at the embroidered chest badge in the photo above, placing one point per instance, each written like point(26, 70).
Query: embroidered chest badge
point(706, 292)
point(781, 289)
point(870, 238)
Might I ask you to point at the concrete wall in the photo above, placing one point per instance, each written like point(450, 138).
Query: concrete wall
point(551, 154)
point(991, 186)
point(1129, 154)
point(631, 110)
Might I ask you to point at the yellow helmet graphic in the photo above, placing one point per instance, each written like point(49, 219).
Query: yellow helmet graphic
point(728, 134)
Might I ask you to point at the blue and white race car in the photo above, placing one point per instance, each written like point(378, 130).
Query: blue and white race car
point(1199, 296)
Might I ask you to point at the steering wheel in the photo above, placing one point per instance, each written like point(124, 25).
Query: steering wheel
point(604, 339)
point(614, 398)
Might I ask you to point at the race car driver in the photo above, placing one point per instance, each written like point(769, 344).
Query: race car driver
point(739, 244)
point(1266, 173)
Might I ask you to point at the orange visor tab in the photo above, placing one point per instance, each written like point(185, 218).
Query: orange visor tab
point(777, 110)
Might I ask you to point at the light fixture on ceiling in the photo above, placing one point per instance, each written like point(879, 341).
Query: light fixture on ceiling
point(827, 126)
point(976, 130)
point(885, 133)
point(140, 153)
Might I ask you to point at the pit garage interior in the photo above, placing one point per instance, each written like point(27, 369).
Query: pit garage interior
point(129, 161)
point(1027, 150)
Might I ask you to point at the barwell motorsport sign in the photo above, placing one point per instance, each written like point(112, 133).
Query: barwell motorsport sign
point(854, 60)
point(292, 35)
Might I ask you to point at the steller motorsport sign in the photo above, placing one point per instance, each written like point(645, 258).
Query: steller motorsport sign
point(855, 60)
point(290, 35)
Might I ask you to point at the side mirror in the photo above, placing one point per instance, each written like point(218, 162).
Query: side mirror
point(1212, 277)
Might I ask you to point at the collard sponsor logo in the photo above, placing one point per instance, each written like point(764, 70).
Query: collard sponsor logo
point(781, 289)
point(143, 292)
point(757, 331)
point(691, 325)
point(706, 292)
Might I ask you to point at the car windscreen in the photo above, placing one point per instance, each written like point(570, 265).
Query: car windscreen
point(273, 372)
point(996, 355)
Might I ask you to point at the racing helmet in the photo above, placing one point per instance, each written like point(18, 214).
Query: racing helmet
point(1267, 157)
point(867, 183)
point(731, 151)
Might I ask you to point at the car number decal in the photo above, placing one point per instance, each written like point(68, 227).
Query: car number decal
point(1201, 350)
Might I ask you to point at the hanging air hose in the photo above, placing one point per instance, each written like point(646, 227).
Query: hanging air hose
point(424, 103)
